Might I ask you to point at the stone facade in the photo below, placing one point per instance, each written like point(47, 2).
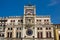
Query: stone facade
point(28, 27)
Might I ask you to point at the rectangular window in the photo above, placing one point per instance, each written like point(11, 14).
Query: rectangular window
point(19, 34)
point(39, 35)
point(48, 35)
point(16, 34)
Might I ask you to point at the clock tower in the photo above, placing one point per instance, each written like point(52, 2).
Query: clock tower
point(29, 21)
point(29, 10)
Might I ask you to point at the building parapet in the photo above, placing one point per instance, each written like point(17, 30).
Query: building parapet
point(15, 17)
point(11, 17)
point(43, 16)
point(29, 6)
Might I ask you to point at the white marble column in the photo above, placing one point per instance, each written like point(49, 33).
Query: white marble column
point(14, 32)
point(52, 32)
point(5, 33)
point(44, 32)
point(35, 32)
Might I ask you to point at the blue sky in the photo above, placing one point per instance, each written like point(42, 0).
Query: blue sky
point(43, 7)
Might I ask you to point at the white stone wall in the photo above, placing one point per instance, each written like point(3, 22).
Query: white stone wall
point(16, 20)
point(42, 20)
point(23, 31)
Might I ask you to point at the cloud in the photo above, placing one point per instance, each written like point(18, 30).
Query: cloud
point(52, 2)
